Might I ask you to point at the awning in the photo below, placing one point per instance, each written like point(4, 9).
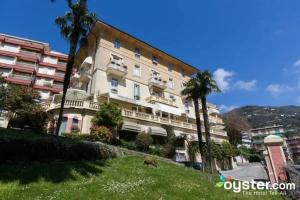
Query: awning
point(167, 109)
point(131, 126)
point(154, 130)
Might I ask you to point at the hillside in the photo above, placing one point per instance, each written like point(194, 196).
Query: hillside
point(259, 116)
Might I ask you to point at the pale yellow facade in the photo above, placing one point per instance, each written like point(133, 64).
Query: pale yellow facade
point(143, 81)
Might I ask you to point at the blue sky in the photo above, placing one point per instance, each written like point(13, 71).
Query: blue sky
point(252, 46)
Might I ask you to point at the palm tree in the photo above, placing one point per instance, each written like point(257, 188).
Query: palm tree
point(74, 26)
point(192, 92)
point(207, 86)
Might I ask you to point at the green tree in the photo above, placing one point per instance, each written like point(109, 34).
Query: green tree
point(192, 150)
point(3, 92)
point(228, 151)
point(23, 107)
point(207, 86)
point(191, 92)
point(109, 115)
point(216, 151)
point(74, 26)
point(170, 147)
point(234, 126)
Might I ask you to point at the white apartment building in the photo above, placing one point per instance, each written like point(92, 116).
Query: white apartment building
point(143, 81)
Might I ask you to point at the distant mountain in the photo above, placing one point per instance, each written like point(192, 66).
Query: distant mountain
point(259, 116)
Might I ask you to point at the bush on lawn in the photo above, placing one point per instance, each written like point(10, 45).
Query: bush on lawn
point(143, 141)
point(101, 133)
point(26, 147)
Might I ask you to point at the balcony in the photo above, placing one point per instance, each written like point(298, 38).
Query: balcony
point(155, 98)
point(27, 65)
point(19, 79)
point(61, 75)
point(157, 83)
point(116, 69)
point(75, 104)
point(30, 53)
point(57, 88)
point(157, 119)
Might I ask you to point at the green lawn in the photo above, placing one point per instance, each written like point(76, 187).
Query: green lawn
point(120, 178)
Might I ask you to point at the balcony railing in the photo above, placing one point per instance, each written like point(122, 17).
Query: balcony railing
point(59, 74)
point(25, 64)
point(75, 104)
point(61, 64)
point(58, 87)
point(155, 98)
point(154, 118)
point(94, 106)
point(116, 69)
point(20, 77)
point(30, 53)
point(157, 82)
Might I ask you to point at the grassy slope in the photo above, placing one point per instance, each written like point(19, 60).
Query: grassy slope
point(121, 178)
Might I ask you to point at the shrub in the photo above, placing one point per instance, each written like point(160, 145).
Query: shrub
point(128, 144)
point(109, 115)
point(158, 150)
point(254, 158)
point(26, 147)
point(101, 133)
point(143, 141)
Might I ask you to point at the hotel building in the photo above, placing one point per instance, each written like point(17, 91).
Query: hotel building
point(143, 81)
point(259, 134)
point(31, 63)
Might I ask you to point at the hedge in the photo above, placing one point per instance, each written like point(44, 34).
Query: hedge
point(18, 146)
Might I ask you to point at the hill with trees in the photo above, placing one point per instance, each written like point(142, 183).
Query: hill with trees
point(258, 116)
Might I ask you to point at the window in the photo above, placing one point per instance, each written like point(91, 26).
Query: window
point(137, 70)
point(186, 106)
point(74, 125)
point(154, 60)
point(155, 75)
point(171, 83)
point(114, 85)
point(170, 67)
point(117, 44)
point(137, 52)
point(136, 91)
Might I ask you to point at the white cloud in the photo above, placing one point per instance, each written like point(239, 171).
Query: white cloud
point(297, 63)
point(222, 77)
point(276, 89)
point(224, 108)
point(245, 85)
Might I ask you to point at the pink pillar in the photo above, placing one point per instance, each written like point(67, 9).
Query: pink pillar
point(275, 158)
point(69, 125)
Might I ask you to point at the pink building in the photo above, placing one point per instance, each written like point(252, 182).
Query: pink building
point(32, 63)
point(275, 158)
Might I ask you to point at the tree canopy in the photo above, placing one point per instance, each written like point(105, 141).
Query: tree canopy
point(234, 126)
point(109, 115)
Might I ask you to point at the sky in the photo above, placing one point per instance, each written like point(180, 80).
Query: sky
point(252, 47)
